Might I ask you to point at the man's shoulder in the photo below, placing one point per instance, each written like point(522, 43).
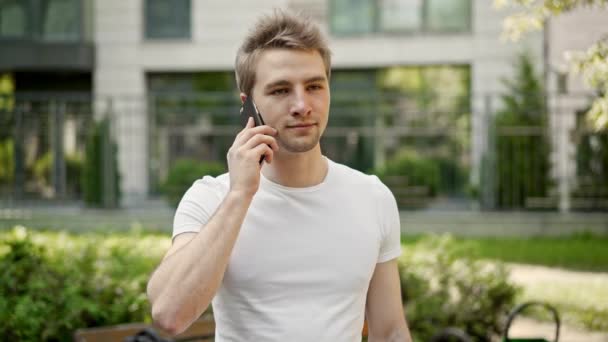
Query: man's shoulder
point(217, 185)
point(372, 184)
point(349, 174)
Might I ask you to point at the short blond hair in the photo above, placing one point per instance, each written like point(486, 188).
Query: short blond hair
point(281, 30)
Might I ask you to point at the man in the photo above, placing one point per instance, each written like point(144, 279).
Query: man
point(298, 247)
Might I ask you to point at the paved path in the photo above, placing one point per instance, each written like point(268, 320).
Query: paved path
point(155, 214)
point(525, 327)
point(538, 280)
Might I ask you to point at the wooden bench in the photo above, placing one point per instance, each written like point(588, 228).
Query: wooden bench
point(118, 333)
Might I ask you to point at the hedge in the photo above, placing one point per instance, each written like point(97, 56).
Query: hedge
point(53, 283)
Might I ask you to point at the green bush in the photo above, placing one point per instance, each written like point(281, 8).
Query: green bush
point(409, 168)
point(442, 286)
point(592, 168)
point(183, 173)
point(54, 283)
point(7, 161)
point(94, 174)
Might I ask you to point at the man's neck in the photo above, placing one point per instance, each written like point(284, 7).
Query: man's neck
point(297, 170)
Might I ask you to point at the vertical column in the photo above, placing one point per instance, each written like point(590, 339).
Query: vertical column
point(478, 138)
point(379, 142)
point(59, 172)
point(487, 166)
point(563, 162)
point(19, 162)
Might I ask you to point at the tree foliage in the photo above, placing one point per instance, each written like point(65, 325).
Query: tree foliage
point(592, 63)
point(522, 162)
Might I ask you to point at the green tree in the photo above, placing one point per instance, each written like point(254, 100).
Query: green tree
point(522, 163)
point(100, 168)
point(592, 64)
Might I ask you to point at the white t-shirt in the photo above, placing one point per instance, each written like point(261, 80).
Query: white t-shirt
point(304, 257)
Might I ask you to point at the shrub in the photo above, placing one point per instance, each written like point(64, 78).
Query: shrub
point(443, 287)
point(7, 161)
point(101, 167)
point(183, 173)
point(407, 169)
point(54, 283)
point(592, 167)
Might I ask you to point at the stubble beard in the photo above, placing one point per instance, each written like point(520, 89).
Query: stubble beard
point(295, 144)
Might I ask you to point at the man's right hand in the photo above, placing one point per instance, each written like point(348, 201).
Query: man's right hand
point(210, 248)
point(245, 154)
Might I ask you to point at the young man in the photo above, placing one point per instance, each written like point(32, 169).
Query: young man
point(298, 247)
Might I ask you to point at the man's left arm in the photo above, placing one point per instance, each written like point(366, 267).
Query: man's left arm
point(384, 309)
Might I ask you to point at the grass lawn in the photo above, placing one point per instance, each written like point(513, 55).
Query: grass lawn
point(578, 252)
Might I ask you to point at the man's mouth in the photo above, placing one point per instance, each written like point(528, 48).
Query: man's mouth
point(302, 125)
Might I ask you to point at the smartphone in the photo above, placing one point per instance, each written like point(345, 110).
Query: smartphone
point(248, 110)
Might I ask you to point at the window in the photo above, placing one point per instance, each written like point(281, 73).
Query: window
point(46, 20)
point(407, 16)
point(61, 20)
point(352, 16)
point(448, 15)
point(13, 20)
point(400, 15)
point(167, 19)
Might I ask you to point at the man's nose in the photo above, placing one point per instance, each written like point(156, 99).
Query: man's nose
point(301, 103)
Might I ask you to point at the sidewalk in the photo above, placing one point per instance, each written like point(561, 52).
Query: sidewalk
point(526, 327)
point(563, 286)
point(157, 215)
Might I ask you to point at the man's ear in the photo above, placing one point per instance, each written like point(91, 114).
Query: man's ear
point(243, 98)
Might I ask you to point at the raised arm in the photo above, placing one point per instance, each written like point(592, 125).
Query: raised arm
point(191, 272)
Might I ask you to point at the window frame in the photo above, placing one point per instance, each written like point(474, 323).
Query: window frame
point(468, 28)
point(376, 22)
point(34, 26)
point(80, 24)
point(145, 29)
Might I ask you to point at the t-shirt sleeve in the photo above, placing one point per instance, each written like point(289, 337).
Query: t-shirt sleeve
point(197, 205)
point(390, 224)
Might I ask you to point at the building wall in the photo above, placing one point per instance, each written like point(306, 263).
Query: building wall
point(118, 84)
point(123, 57)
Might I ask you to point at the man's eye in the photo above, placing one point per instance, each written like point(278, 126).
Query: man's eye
point(280, 91)
point(314, 87)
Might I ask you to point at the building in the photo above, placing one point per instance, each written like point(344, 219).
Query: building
point(130, 49)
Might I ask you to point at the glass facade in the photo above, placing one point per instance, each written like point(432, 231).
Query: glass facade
point(352, 16)
point(399, 16)
point(42, 20)
point(167, 19)
point(13, 19)
point(448, 15)
point(61, 20)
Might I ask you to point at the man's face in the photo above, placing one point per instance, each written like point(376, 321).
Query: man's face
point(292, 94)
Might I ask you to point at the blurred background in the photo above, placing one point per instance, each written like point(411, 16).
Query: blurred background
point(488, 120)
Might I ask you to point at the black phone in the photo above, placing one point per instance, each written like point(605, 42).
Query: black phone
point(248, 110)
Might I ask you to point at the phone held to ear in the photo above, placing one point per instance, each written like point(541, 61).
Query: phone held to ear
point(248, 110)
